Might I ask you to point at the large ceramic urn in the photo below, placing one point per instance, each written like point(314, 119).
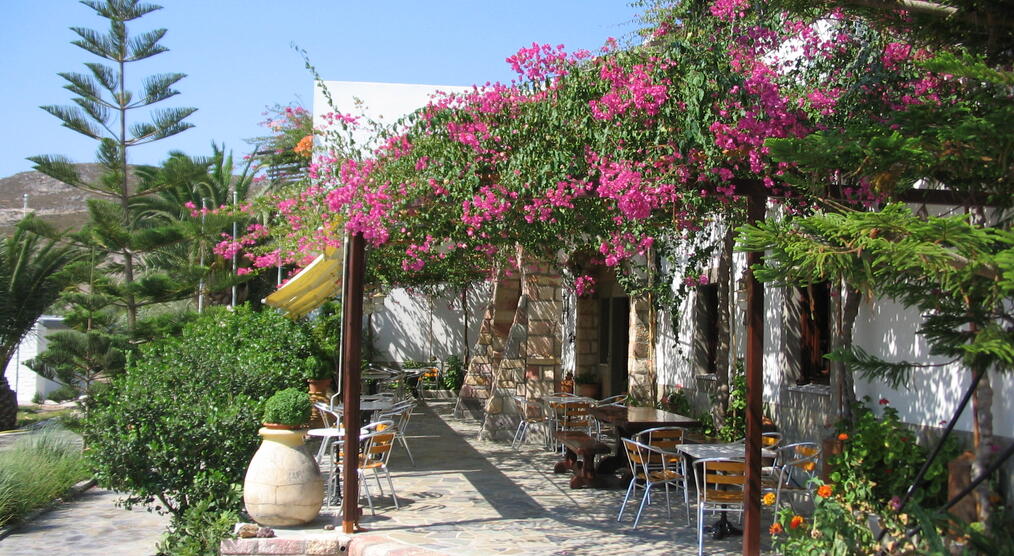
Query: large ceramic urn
point(283, 485)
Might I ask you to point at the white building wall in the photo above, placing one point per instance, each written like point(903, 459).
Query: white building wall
point(23, 380)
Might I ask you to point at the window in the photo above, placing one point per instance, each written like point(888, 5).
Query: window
point(814, 333)
point(706, 335)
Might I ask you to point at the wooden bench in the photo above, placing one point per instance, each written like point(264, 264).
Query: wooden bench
point(579, 457)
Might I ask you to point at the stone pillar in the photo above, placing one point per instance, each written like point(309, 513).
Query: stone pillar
point(640, 360)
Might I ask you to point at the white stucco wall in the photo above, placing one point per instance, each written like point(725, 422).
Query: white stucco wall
point(413, 326)
point(23, 380)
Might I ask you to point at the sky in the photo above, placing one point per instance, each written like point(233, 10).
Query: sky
point(239, 58)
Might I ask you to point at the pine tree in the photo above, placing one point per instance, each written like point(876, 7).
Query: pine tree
point(104, 110)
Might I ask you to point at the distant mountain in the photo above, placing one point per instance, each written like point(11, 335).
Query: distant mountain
point(57, 203)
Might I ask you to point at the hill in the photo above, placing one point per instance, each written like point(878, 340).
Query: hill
point(57, 203)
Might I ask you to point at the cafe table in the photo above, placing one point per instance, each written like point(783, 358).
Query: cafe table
point(629, 421)
point(728, 451)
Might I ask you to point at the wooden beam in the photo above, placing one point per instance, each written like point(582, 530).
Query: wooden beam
point(756, 208)
point(352, 336)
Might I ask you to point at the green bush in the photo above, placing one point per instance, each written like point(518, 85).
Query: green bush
point(180, 425)
point(288, 407)
point(454, 374)
point(201, 528)
point(37, 469)
point(63, 393)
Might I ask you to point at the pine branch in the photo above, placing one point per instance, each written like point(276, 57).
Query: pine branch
point(96, 43)
point(158, 88)
point(95, 111)
point(104, 75)
point(145, 45)
point(73, 118)
point(80, 84)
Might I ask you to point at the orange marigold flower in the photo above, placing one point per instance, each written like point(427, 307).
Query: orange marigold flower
point(824, 491)
point(843, 436)
point(775, 528)
point(797, 520)
point(768, 499)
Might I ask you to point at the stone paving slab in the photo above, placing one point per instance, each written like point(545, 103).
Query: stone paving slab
point(91, 524)
point(476, 497)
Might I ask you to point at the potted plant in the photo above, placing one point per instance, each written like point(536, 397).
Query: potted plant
point(283, 485)
point(588, 385)
point(318, 371)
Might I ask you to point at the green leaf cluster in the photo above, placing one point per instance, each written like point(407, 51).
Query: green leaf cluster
point(288, 407)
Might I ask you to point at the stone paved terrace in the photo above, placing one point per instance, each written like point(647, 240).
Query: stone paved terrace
point(467, 496)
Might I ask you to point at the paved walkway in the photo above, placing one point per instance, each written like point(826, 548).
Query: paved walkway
point(91, 524)
point(467, 496)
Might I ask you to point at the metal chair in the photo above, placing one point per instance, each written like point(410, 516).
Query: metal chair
point(401, 414)
point(375, 442)
point(796, 465)
point(650, 467)
point(719, 488)
point(531, 413)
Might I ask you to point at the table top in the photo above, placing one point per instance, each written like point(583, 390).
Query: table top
point(641, 417)
point(566, 399)
point(726, 450)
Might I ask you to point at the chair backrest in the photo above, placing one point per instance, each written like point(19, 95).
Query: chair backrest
point(529, 409)
point(798, 463)
point(331, 419)
point(771, 440)
point(717, 473)
point(646, 462)
point(618, 399)
point(665, 438)
point(573, 415)
point(377, 447)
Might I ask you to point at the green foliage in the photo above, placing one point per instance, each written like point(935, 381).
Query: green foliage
point(36, 469)
point(587, 378)
point(288, 407)
point(316, 367)
point(63, 393)
point(201, 528)
point(734, 425)
point(880, 457)
point(833, 529)
point(453, 375)
point(181, 424)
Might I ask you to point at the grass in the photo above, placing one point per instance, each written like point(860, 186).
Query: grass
point(37, 469)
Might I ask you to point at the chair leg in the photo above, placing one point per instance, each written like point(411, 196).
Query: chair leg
point(700, 528)
point(366, 491)
point(407, 451)
point(626, 497)
point(519, 433)
point(686, 499)
point(390, 483)
point(376, 475)
point(644, 501)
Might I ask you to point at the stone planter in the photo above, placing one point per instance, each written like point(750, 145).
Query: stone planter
point(283, 485)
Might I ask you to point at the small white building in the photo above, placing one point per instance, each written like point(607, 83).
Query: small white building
point(26, 382)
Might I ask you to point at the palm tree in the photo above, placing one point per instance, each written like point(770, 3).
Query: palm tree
point(34, 267)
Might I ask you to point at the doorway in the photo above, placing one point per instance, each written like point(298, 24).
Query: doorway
point(614, 323)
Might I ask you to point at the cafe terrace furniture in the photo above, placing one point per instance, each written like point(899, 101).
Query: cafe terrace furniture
point(795, 465)
point(651, 467)
point(401, 414)
point(579, 452)
point(531, 414)
point(629, 421)
point(667, 439)
point(338, 459)
point(719, 488)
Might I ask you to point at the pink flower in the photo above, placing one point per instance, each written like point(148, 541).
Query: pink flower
point(884, 401)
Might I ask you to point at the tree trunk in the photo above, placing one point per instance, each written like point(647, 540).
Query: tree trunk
point(850, 311)
point(982, 407)
point(723, 348)
point(8, 398)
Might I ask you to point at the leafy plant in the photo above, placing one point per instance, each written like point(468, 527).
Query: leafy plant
point(454, 374)
point(288, 407)
point(181, 424)
point(316, 367)
point(63, 393)
point(734, 425)
point(201, 528)
point(587, 378)
point(880, 456)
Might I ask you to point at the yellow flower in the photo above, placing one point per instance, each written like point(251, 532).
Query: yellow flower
point(768, 499)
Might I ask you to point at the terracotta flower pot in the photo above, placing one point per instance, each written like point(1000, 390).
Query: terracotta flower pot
point(283, 485)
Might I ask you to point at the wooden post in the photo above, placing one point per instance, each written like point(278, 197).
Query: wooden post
point(352, 332)
point(756, 205)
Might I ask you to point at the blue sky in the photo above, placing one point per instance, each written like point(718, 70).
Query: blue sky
point(239, 58)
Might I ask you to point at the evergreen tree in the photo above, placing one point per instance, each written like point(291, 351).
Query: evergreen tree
point(104, 110)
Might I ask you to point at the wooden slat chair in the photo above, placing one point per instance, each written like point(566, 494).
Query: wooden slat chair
point(374, 451)
point(668, 439)
point(574, 416)
point(650, 467)
point(796, 465)
point(719, 488)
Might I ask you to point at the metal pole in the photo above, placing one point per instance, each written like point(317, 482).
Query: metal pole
point(352, 332)
point(235, 231)
point(200, 283)
point(756, 204)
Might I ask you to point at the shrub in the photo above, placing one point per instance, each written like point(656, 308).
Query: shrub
point(180, 425)
point(201, 528)
point(63, 393)
point(288, 407)
point(454, 374)
point(37, 469)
